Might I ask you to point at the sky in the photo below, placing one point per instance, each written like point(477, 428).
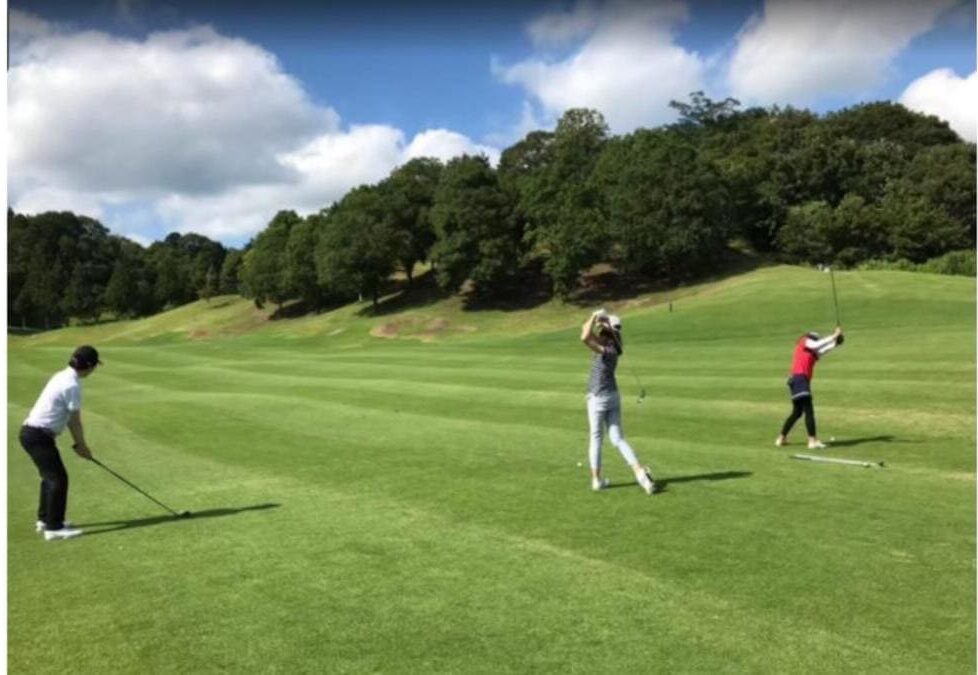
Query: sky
point(210, 116)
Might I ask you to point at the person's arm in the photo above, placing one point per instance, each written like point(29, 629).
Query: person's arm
point(825, 345)
point(78, 434)
point(587, 332)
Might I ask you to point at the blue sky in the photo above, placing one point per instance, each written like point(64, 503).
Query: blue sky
point(221, 113)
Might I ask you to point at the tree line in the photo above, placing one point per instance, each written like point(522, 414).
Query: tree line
point(62, 266)
point(871, 182)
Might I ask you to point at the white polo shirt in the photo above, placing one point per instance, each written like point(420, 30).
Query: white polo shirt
point(61, 396)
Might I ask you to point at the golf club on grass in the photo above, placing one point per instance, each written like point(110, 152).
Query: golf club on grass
point(838, 460)
point(181, 514)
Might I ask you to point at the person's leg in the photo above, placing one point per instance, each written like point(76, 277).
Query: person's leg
point(595, 418)
point(617, 436)
point(809, 408)
point(796, 412)
point(54, 477)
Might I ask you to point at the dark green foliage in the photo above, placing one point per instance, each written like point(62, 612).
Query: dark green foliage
point(358, 247)
point(844, 235)
point(871, 182)
point(264, 269)
point(409, 195)
point(62, 266)
point(229, 280)
point(869, 122)
point(477, 236)
point(561, 203)
point(958, 263)
point(664, 204)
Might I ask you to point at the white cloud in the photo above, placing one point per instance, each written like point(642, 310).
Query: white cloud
point(187, 110)
point(800, 50)
point(444, 144)
point(138, 238)
point(946, 95)
point(628, 67)
point(206, 131)
point(328, 166)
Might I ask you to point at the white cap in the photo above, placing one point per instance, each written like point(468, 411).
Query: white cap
point(615, 321)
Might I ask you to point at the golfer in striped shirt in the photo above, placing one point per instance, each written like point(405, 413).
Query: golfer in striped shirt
point(601, 333)
point(809, 348)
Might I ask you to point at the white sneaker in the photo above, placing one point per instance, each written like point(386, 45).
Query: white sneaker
point(63, 533)
point(645, 480)
point(598, 484)
point(817, 445)
point(780, 442)
point(39, 526)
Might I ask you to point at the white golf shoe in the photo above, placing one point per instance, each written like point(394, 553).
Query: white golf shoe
point(780, 442)
point(39, 526)
point(645, 480)
point(598, 484)
point(817, 445)
point(63, 533)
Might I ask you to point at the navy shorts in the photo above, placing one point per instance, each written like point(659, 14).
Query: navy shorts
point(799, 387)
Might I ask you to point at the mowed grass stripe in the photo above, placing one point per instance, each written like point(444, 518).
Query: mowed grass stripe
point(807, 631)
point(458, 534)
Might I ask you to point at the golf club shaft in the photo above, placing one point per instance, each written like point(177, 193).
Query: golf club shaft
point(136, 488)
point(835, 298)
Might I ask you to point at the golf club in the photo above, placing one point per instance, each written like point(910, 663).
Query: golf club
point(181, 514)
point(835, 298)
point(837, 460)
point(641, 389)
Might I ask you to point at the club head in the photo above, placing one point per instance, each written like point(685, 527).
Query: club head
point(184, 514)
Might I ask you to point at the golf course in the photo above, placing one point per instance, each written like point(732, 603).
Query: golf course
point(408, 491)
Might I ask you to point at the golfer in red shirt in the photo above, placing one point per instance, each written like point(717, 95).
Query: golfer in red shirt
point(809, 348)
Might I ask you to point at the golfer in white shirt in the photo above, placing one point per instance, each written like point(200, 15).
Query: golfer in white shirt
point(58, 406)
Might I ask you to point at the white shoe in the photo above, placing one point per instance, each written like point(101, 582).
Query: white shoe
point(63, 533)
point(780, 442)
point(817, 445)
point(39, 526)
point(645, 480)
point(598, 484)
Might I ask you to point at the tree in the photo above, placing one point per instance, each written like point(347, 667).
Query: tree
point(885, 120)
point(477, 237)
point(704, 111)
point(230, 272)
point(562, 207)
point(121, 293)
point(300, 264)
point(264, 268)
point(664, 203)
point(409, 194)
point(358, 248)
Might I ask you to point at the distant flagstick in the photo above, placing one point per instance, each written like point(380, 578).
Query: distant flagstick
point(837, 460)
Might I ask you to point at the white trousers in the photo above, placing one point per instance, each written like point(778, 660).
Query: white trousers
point(605, 411)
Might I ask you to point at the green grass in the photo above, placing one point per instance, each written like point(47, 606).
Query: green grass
point(406, 505)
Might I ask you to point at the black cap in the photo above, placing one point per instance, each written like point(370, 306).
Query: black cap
point(84, 357)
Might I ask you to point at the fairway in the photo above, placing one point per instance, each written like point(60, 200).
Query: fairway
point(370, 504)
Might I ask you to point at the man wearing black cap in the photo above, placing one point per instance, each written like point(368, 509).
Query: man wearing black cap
point(59, 405)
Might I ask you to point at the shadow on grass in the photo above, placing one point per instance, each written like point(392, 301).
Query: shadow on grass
point(662, 483)
point(116, 525)
point(399, 295)
point(846, 442)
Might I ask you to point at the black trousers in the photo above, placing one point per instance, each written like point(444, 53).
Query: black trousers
point(54, 479)
point(802, 404)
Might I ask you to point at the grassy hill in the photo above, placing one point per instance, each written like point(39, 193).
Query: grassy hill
point(403, 492)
